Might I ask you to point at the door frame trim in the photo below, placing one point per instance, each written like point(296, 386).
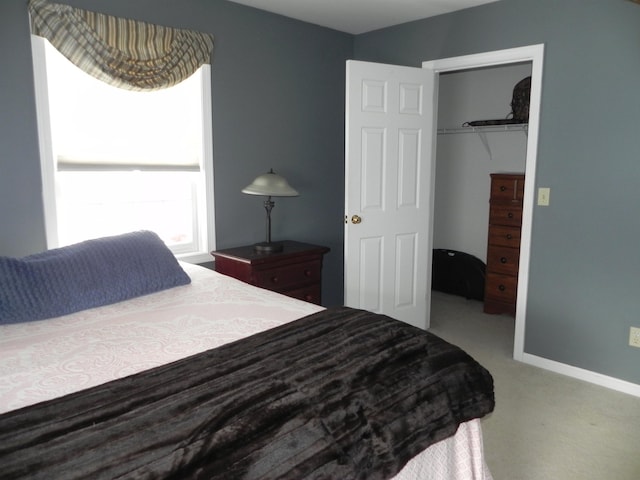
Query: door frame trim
point(535, 55)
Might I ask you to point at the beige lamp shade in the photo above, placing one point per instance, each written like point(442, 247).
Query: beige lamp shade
point(271, 185)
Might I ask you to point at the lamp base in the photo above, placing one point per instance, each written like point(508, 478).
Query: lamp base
point(267, 247)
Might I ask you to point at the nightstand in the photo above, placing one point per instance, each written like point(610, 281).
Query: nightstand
point(296, 271)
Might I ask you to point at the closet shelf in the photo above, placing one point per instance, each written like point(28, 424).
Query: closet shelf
point(515, 127)
point(482, 132)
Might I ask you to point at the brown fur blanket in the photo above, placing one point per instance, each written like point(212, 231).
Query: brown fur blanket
point(342, 393)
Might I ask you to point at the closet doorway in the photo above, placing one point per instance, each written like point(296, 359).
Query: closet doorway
point(465, 157)
point(517, 61)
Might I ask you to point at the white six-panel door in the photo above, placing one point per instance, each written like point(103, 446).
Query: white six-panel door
point(388, 189)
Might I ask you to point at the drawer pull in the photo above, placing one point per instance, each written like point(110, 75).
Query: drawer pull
point(509, 236)
point(307, 273)
point(502, 188)
point(308, 297)
point(510, 215)
point(502, 288)
point(274, 279)
point(503, 259)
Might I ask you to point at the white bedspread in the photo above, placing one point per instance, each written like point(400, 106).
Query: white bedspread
point(46, 359)
point(49, 358)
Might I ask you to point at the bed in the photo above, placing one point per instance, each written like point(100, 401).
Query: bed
point(215, 378)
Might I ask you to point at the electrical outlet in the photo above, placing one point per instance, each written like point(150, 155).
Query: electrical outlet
point(634, 337)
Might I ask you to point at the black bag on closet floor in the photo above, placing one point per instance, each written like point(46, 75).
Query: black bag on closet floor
point(458, 273)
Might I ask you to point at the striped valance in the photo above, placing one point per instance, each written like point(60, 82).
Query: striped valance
point(122, 52)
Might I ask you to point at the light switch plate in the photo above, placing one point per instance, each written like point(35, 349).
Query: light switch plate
point(543, 196)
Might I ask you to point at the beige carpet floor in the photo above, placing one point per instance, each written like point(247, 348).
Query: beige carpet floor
point(545, 426)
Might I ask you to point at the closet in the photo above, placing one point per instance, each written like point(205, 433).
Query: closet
point(466, 157)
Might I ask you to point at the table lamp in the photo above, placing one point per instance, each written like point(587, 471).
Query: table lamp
point(269, 185)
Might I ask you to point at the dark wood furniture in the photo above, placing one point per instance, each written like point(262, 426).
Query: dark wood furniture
point(296, 271)
point(503, 250)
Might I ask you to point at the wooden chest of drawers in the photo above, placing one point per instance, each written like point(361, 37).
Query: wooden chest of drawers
point(503, 250)
point(296, 271)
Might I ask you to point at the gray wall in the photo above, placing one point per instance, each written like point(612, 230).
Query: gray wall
point(278, 101)
point(584, 290)
point(21, 212)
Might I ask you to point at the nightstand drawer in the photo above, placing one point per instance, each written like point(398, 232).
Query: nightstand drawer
point(285, 277)
point(310, 294)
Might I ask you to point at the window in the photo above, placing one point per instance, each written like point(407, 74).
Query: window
point(118, 160)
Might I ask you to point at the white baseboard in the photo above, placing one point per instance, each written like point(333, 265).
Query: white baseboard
point(582, 374)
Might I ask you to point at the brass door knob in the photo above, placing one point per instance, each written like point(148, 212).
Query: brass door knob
point(356, 220)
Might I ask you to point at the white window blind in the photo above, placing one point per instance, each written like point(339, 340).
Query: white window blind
point(122, 160)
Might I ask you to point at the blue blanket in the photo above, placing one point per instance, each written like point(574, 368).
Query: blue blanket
point(86, 275)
